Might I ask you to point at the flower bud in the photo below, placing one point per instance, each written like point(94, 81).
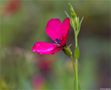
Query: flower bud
point(67, 51)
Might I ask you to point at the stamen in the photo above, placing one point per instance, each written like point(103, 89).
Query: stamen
point(57, 41)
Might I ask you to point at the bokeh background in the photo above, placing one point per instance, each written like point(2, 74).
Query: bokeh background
point(22, 22)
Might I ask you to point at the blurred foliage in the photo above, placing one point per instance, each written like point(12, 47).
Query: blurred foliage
point(18, 32)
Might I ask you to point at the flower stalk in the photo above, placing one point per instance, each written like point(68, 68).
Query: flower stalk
point(76, 65)
point(76, 24)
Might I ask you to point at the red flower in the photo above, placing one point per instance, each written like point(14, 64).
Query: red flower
point(38, 82)
point(58, 32)
point(12, 7)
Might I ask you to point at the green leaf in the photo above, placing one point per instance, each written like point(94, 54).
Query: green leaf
point(81, 20)
point(76, 53)
point(67, 14)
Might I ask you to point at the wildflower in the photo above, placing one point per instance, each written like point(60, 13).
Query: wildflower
point(38, 82)
point(45, 65)
point(12, 7)
point(58, 32)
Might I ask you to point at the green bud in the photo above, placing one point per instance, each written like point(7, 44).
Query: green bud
point(75, 21)
point(67, 51)
point(71, 10)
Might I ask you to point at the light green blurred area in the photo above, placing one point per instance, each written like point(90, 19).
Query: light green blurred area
point(18, 32)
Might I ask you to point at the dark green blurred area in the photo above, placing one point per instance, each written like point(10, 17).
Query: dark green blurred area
point(18, 32)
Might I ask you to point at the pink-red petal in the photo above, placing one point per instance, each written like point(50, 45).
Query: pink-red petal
point(53, 28)
point(58, 30)
point(65, 30)
point(45, 48)
point(12, 7)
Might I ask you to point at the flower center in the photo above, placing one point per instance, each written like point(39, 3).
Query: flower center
point(57, 41)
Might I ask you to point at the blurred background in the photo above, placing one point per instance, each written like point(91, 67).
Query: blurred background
point(22, 22)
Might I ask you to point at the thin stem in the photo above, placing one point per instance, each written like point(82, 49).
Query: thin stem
point(76, 75)
point(76, 41)
point(76, 67)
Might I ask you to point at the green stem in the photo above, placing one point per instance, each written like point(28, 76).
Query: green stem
point(76, 41)
point(74, 62)
point(76, 66)
point(76, 75)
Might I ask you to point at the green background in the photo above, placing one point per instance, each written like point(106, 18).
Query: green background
point(19, 31)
